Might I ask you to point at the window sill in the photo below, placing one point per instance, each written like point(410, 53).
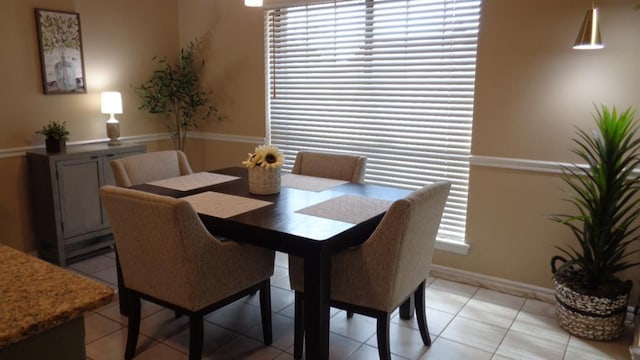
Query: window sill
point(452, 246)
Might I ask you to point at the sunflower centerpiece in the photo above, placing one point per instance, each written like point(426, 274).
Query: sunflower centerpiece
point(264, 170)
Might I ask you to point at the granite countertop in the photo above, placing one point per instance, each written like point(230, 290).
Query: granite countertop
point(36, 296)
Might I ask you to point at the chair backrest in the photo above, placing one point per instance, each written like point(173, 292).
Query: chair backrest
point(160, 242)
point(151, 166)
point(405, 239)
point(329, 165)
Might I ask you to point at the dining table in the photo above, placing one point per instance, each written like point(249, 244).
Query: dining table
point(309, 217)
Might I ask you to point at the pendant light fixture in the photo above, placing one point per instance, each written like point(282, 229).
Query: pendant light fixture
point(589, 35)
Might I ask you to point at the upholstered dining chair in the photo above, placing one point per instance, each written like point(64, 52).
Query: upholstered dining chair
point(374, 278)
point(143, 168)
point(168, 257)
point(330, 165)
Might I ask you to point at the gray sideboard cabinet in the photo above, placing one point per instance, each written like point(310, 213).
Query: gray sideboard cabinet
point(68, 217)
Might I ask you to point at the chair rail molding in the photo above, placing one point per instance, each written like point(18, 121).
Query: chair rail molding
point(550, 167)
point(256, 140)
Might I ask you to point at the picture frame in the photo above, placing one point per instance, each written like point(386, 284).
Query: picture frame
point(61, 57)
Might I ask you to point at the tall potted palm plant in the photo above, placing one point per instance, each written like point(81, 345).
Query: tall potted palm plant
point(591, 299)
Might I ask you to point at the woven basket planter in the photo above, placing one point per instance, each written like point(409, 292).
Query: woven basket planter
point(587, 316)
point(263, 181)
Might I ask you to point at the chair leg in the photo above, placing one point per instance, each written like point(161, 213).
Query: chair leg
point(384, 351)
point(196, 334)
point(265, 312)
point(133, 308)
point(122, 290)
point(298, 332)
point(421, 314)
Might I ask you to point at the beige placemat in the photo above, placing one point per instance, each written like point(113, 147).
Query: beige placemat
point(348, 208)
point(309, 183)
point(193, 181)
point(223, 205)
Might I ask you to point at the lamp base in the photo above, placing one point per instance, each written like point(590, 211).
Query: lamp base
point(113, 132)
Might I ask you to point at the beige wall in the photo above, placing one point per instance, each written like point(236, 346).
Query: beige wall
point(232, 39)
point(532, 88)
point(119, 39)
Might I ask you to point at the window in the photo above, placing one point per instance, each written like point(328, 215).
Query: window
point(390, 79)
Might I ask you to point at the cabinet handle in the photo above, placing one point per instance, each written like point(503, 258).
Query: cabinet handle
point(94, 157)
point(111, 155)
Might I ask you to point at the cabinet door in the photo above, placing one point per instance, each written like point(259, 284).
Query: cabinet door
point(79, 181)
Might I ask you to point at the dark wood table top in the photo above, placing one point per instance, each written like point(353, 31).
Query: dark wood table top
point(278, 226)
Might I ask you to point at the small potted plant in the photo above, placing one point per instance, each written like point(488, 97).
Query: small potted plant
point(56, 135)
point(264, 170)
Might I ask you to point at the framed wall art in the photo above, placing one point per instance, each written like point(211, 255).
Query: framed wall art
point(61, 59)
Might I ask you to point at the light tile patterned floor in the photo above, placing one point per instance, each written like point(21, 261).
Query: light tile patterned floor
point(465, 322)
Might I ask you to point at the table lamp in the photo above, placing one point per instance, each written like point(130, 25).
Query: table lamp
point(112, 104)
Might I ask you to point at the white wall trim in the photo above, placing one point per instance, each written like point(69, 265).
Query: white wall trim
point(280, 4)
point(506, 286)
point(552, 167)
point(549, 167)
point(256, 140)
point(20, 151)
point(493, 283)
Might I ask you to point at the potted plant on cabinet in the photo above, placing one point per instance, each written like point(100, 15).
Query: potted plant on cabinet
point(56, 136)
point(591, 299)
point(174, 91)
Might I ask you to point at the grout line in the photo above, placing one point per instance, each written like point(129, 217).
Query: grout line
point(282, 312)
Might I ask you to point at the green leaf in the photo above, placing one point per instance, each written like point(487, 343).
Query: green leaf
point(174, 91)
point(605, 196)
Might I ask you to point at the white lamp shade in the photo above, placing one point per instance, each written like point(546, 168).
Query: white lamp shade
point(111, 102)
point(253, 3)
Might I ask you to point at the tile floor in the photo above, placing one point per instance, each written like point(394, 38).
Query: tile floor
point(465, 322)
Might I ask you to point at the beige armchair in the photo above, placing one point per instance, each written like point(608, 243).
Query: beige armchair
point(375, 278)
point(329, 165)
point(143, 168)
point(168, 257)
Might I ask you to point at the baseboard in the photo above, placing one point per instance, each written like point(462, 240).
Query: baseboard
point(493, 283)
point(507, 286)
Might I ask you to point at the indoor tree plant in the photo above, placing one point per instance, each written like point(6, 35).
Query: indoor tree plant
point(174, 91)
point(56, 135)
point(591, 299)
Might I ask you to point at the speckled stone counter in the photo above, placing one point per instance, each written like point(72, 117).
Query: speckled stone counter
point(36, 296)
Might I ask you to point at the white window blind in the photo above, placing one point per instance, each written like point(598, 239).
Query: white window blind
point(393, 80)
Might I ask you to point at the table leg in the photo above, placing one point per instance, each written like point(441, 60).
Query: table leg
point(408, 308)
point(317, 268)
